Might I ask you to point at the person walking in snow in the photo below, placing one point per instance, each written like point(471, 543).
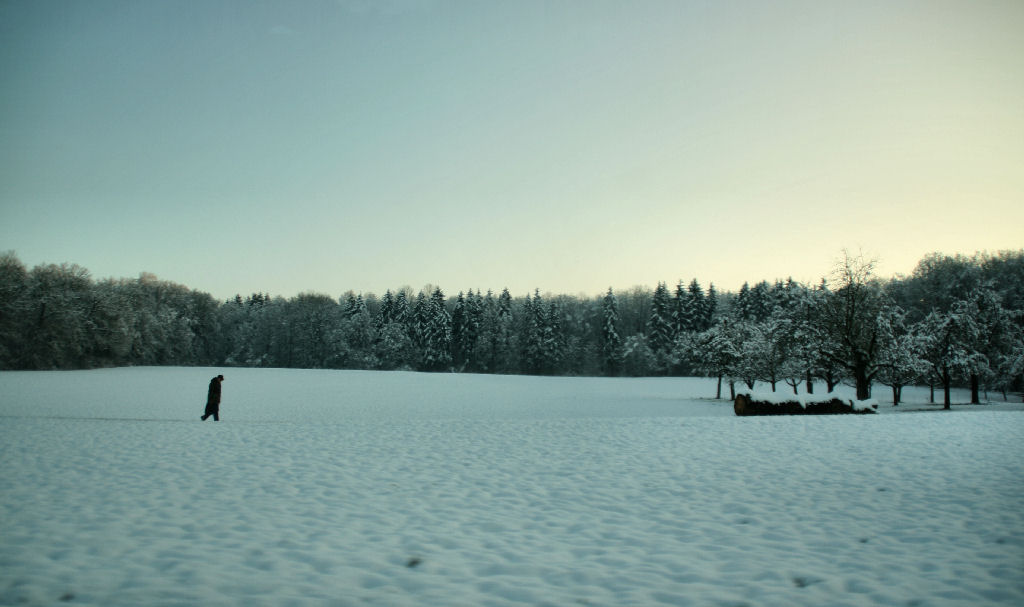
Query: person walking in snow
point(213, 399)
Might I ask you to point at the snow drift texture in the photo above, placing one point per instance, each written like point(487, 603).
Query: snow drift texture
point(349, 488)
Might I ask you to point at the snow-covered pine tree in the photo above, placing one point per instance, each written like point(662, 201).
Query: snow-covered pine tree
point(352, 304)
point(418, 319)
point(760, 301)
point(611, 343)
point(387, 310)
point(532, 336)
point(400, 310)
point(459, 332)
point(711, 307)
point(682, 314)
point(437, 346)
point(552, 339)
point(637, 358)
point(659, 326)
point(741, 307)
point(505, 346)
point(466, 318)
point(698, 306)
point(474, 321)
point(485, 351)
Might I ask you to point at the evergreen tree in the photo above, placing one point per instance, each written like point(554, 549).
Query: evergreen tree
point(473, 324)
point(611, 343)
point(505, 346)
point(351, 305)
point(533, 334)
point(742, 309)
point(659, 325)
point(698, 307)
point(460, 332)
point(711, 307)
point(387, 311)
point(682, 314)
point(419, 318)
point(437, 337)
point(552, 339)
point(638, 360)
point(760, 302)
point(400, 311)
point(485, 358)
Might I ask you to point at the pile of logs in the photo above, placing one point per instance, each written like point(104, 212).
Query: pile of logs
point(745, 405)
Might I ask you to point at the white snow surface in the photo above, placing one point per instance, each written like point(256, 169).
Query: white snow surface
point(364, 488)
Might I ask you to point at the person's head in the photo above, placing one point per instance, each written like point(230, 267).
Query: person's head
point(220, 378)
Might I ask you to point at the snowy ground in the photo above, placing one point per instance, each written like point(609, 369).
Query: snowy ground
point(361, 488)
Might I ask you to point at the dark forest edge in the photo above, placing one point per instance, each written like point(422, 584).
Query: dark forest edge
point(954, 321)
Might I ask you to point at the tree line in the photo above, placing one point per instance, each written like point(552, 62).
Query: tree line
point(955, 320)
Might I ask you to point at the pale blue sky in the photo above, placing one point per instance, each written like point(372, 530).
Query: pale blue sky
point(569, 146)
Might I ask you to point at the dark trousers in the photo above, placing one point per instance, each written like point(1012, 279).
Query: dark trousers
point(212, 410)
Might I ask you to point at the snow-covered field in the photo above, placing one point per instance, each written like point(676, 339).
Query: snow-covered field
point(362, 488)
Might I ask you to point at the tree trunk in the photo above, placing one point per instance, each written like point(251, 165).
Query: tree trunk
point(975, 398)
point(810, 383)
point(860, 375)
point(732, 389)
point(718, 393)
point(831, 382)
point(946, 380)
point(895, 396)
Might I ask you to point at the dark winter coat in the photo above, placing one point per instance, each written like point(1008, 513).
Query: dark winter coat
point(213, 396)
